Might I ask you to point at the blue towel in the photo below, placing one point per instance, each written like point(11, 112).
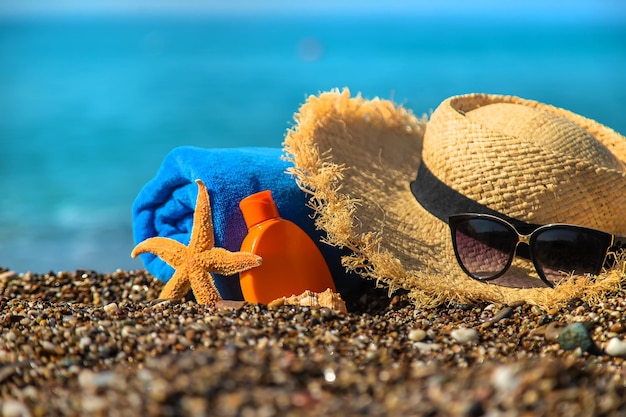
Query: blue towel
point(165, 205)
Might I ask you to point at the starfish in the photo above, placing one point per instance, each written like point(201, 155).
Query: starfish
point(194, 263)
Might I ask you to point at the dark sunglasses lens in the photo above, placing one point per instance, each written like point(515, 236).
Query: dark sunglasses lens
point(559, 252)
point(484, 247)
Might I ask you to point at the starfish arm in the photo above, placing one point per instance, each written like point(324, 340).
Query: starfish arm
point(170, 250)
point(204, 288)
point(227, 263)
point(202, 231)
point(176, 287)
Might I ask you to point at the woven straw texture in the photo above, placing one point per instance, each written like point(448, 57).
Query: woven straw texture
point(357, 157)
point(529, 160)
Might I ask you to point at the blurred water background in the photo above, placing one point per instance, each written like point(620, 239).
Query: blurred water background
point(90, 104)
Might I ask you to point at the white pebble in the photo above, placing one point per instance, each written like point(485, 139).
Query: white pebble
point(505, 379)
point(616, 347)
point(329, 375)
point(85, 378)
point(464, 335)
point(110, 308)
point(127, 331)
point(93, 404)
point(12, 408)
point(69, 319)
point(49, 346)
point(417, 335)
point(84, 342)
point(5, 276)
point(93, 381)
point(427, 347)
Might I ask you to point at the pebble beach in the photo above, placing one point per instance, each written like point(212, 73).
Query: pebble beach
point(84, 343)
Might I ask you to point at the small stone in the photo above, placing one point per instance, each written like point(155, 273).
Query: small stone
point(8, 275)
point(85, 378)
point(12, 408)
point(575, 336)
point(427, 347)
point(464, 335)
point(164, 302)
point(553, 331)
point(536, 310)
point(616, 347)
point(517, 303)
point(617, 328)
point(578, 352)
point(128, 331)
point(229, 304)
point(327, 314)
point(504, 379)
point(111, 308)
point(94, 381)
point(417, 335)
point(49, 347)
point(84, 342)
point(574, 302)
point(93, 404)
point(330, 375)
point(504, 313)
point(195, 406)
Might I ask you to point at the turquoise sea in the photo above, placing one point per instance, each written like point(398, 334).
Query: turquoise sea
point(89, 106)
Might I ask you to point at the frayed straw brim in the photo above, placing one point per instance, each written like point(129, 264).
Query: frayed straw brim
point(356, 159)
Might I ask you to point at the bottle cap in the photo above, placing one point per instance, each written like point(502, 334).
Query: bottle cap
point(258, 207)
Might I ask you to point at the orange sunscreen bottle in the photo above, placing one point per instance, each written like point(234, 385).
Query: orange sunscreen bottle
point(292, 263)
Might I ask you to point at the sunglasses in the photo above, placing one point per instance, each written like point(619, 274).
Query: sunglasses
point(485, 246)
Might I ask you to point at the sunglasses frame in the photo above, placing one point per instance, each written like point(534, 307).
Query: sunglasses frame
point(527, 233)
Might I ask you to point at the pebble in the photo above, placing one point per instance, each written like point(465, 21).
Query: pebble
point(427, 347)
point(84, 342)
point(49, 347)
point(94, 405)
point(417, 335)
point(504, 380)
point(111, 308)
point(229, 305)
point(616, 347)
point(575, 336)
point(464, 335)
point(503, 313)
point(7, 275)
point(553, 331)
point(12, 408)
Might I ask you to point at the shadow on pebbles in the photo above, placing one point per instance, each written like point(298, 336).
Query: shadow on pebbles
point(83, 343)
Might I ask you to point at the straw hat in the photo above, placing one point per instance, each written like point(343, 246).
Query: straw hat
point(366, 163)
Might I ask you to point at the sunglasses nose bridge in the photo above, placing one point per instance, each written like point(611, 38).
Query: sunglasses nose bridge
point(523, 239)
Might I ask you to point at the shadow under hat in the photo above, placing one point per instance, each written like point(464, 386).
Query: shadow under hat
point(383, 182)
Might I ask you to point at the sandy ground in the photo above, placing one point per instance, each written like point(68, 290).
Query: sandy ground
point(83, 343)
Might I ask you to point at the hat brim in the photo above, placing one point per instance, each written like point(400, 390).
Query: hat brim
point(356, 158)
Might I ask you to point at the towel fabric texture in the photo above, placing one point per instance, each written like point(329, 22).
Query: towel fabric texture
point(165, 205)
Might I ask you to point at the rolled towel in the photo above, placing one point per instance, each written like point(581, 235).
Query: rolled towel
point(165, 205)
